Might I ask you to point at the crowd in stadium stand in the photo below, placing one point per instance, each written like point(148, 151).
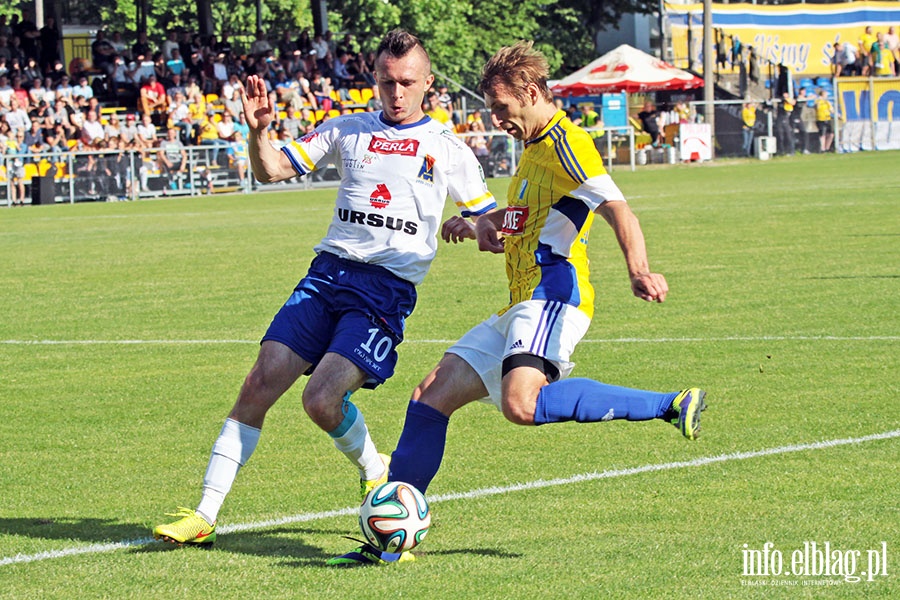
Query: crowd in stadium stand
point(185, 83)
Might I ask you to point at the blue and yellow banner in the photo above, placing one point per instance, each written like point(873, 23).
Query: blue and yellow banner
point(801, 36)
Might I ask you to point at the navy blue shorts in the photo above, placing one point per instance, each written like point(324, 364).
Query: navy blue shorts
point(351, 308)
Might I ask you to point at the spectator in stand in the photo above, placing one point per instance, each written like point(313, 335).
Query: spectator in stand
point(292, 123)
point(55, 137)
point(303, 43)
point(82, 88)
point(241, 126)
point(865, 51)
point(34, 139)
point(180, 117)
point(142, 46)
point(223, 46)
point(175, 66)
point(307, 121)
point(119, 45)
point(240, 158)
point(208, 135)
point(882, 60)
point(144, 69)
point(146, 133)
point(17, 118)
point(37, 93)
point(31, 71)
point(103, 54)
point(434, 109)
point(19, 92)
point(225, 127)
point(342, 79)
point(49, 37)
point(218, 75)
point(27, 33)
point(169, 44)
point(153, 100)
point(6, 93)
point(92, 132)
point(65, 89)
point(320, 87)
point(261, 46)
point(112, 129)
point(892, 41)
point(445, 98)
point(175, 87)
point(286, 46)
point(128, 134)
point(320, 48)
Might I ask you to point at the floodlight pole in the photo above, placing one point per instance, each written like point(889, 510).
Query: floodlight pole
point(709, 89)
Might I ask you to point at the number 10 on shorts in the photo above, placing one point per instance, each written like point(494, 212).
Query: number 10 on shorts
point(381, 348)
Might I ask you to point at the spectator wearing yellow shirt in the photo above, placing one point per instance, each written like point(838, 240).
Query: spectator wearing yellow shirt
point(435, 110)
point(748, 120)
point(208, 135)
point(825, 121)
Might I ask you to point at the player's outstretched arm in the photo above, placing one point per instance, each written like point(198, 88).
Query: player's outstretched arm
point(268, 163)
point(648, 286)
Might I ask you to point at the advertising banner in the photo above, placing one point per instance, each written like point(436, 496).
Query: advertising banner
point(801, 36)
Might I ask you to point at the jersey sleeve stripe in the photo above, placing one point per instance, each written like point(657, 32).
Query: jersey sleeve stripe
point(566, 156)
point(298, 158)
point(478, 205)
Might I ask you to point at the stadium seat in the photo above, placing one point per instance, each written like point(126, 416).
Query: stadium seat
point(823, 81)
point(356, 96)
point(320, 114)
point(212, 98)
point(334, 113)
point(366, 94)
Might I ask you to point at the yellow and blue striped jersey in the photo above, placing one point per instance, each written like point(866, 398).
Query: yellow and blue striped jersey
point(559, 183)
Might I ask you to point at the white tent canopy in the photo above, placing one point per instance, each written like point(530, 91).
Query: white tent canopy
point(625, 69)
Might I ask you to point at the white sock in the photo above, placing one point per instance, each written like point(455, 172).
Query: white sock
point(232, 450)
point(358, 447)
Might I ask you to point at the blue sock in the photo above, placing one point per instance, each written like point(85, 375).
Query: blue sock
point(421, 446)
point(589, 401)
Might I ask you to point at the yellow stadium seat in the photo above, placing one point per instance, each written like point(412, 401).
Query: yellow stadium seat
point(320, 114)
point(334, 112)
point(211, 98)
point(366, 94)
point(31, 170)
point(282, 115)
point(356, 96)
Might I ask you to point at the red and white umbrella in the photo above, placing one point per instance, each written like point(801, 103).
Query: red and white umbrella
point(625, 69)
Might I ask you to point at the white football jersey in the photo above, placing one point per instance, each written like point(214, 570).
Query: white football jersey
point(394, 182)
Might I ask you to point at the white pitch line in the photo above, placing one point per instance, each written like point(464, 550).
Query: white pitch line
point(662, 340)
point(479, 493)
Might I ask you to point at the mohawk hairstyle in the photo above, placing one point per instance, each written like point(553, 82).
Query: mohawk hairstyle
point(398, 43)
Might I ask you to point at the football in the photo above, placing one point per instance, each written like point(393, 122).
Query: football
point(394, 517)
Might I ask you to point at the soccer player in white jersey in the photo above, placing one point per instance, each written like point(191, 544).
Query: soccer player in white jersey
point(345, 318)
point(519, 358)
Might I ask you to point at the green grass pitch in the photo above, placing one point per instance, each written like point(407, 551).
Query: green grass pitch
point(127, 329)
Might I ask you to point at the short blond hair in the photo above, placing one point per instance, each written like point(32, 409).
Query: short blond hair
point(514, 68)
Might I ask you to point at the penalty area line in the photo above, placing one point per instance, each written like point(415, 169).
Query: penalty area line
point(479, 493)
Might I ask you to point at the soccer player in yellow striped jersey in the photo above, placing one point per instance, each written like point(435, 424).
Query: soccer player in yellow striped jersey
point(518, 358)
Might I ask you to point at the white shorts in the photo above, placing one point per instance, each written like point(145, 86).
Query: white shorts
point(544, 328)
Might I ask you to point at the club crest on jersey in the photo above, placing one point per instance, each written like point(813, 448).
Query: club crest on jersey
point(426, 173)
point(381, 197)
point(407, 147)
point(514, 220)
point(309, 136)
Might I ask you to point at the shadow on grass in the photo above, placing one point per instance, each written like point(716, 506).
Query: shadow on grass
point(319, 559)
point(281, 542)
point(80, 529)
